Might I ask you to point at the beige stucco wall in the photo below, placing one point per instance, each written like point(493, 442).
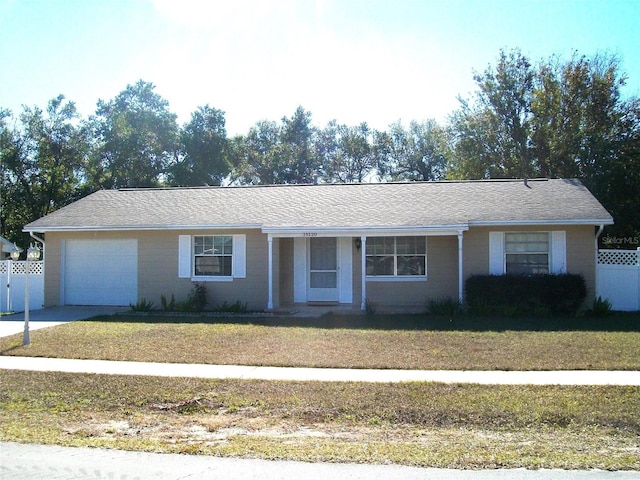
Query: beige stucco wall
point(158, 267)
point(580, 249)
point(442, 279)
point(158, 270)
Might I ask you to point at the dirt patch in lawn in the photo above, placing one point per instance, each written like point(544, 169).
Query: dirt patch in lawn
point(455, 426)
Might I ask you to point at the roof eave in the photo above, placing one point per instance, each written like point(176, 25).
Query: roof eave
point(124, 228)
point(356, 231)
point(516, 223)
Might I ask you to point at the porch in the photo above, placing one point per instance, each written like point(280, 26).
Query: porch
point(386, 271)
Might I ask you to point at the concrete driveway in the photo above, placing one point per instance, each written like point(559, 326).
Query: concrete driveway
point(50, 317)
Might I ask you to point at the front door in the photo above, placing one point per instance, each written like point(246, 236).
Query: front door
point(323, 270)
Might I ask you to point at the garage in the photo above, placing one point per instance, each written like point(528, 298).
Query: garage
point(100, 272)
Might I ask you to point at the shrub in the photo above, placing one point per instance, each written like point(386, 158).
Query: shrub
point(448, 306)
point(525, 295)
point(237, 307)
point(168, 306)
point(370, 307)
point(198, 296)
point(602, 307)
point(142, 306)
point(196, 301)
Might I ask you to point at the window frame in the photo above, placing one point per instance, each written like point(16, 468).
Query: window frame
point(226, 240)
point(548, 252)
point(395, 255)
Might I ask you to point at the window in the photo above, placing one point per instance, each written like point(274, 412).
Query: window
point(527, 253)
point(396, 256)
point(213, 255)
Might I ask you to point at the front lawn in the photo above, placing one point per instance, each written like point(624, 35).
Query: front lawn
point(422, 424)
point(377, 345)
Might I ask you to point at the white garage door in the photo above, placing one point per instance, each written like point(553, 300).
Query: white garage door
point(100, 272)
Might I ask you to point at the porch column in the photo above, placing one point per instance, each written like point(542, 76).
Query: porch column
point(460, 270)
point(363, 274)
point(270, 275)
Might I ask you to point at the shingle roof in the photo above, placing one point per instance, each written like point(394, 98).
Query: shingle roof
point(378, 205)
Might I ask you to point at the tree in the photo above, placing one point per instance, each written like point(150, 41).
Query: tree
point(136, 138)
point(492, 134)
point(576, 108)
point(352, 158)
point(617, 185)
point(298, 161)
point(345, 154)
point(419, 153)
point(255, 156)
point(202, 157)
point(42, 163)
point(274, 153)
point(560, 119)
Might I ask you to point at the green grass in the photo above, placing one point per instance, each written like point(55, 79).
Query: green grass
point(422, 424)
point(164, 339)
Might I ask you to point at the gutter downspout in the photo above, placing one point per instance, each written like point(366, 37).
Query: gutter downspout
point(38, 239)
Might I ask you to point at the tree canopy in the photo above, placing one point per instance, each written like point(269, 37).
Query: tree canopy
point(42, 163)
point(554, 118)
point(135, 138)
point(202, 157)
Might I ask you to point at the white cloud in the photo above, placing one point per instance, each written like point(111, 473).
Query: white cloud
point(260, 60)
point(231, 15)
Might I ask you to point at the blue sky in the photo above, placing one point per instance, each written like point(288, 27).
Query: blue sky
point(377, 61)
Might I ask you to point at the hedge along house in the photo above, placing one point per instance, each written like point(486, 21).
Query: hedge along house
point(393, 245)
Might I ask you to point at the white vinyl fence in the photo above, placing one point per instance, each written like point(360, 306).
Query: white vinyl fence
point(12, 283)
point(618, 278)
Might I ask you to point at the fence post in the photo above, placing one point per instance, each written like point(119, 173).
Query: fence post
point(638, 272)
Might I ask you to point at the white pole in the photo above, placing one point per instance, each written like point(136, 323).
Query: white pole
point(460, 269)
point(26, 339)
point(9, 266)
point(363, 271)
point(270, 269)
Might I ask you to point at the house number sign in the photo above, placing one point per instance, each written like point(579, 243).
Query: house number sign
point(310, 234)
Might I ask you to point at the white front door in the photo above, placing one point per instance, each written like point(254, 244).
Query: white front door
point(323, 278)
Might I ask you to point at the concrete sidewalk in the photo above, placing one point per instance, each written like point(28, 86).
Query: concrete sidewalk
point(43, 462)
point(13, 324)
point(582, 377)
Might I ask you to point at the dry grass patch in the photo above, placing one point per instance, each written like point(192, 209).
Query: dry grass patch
point(158, 340)
point(458, 426)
